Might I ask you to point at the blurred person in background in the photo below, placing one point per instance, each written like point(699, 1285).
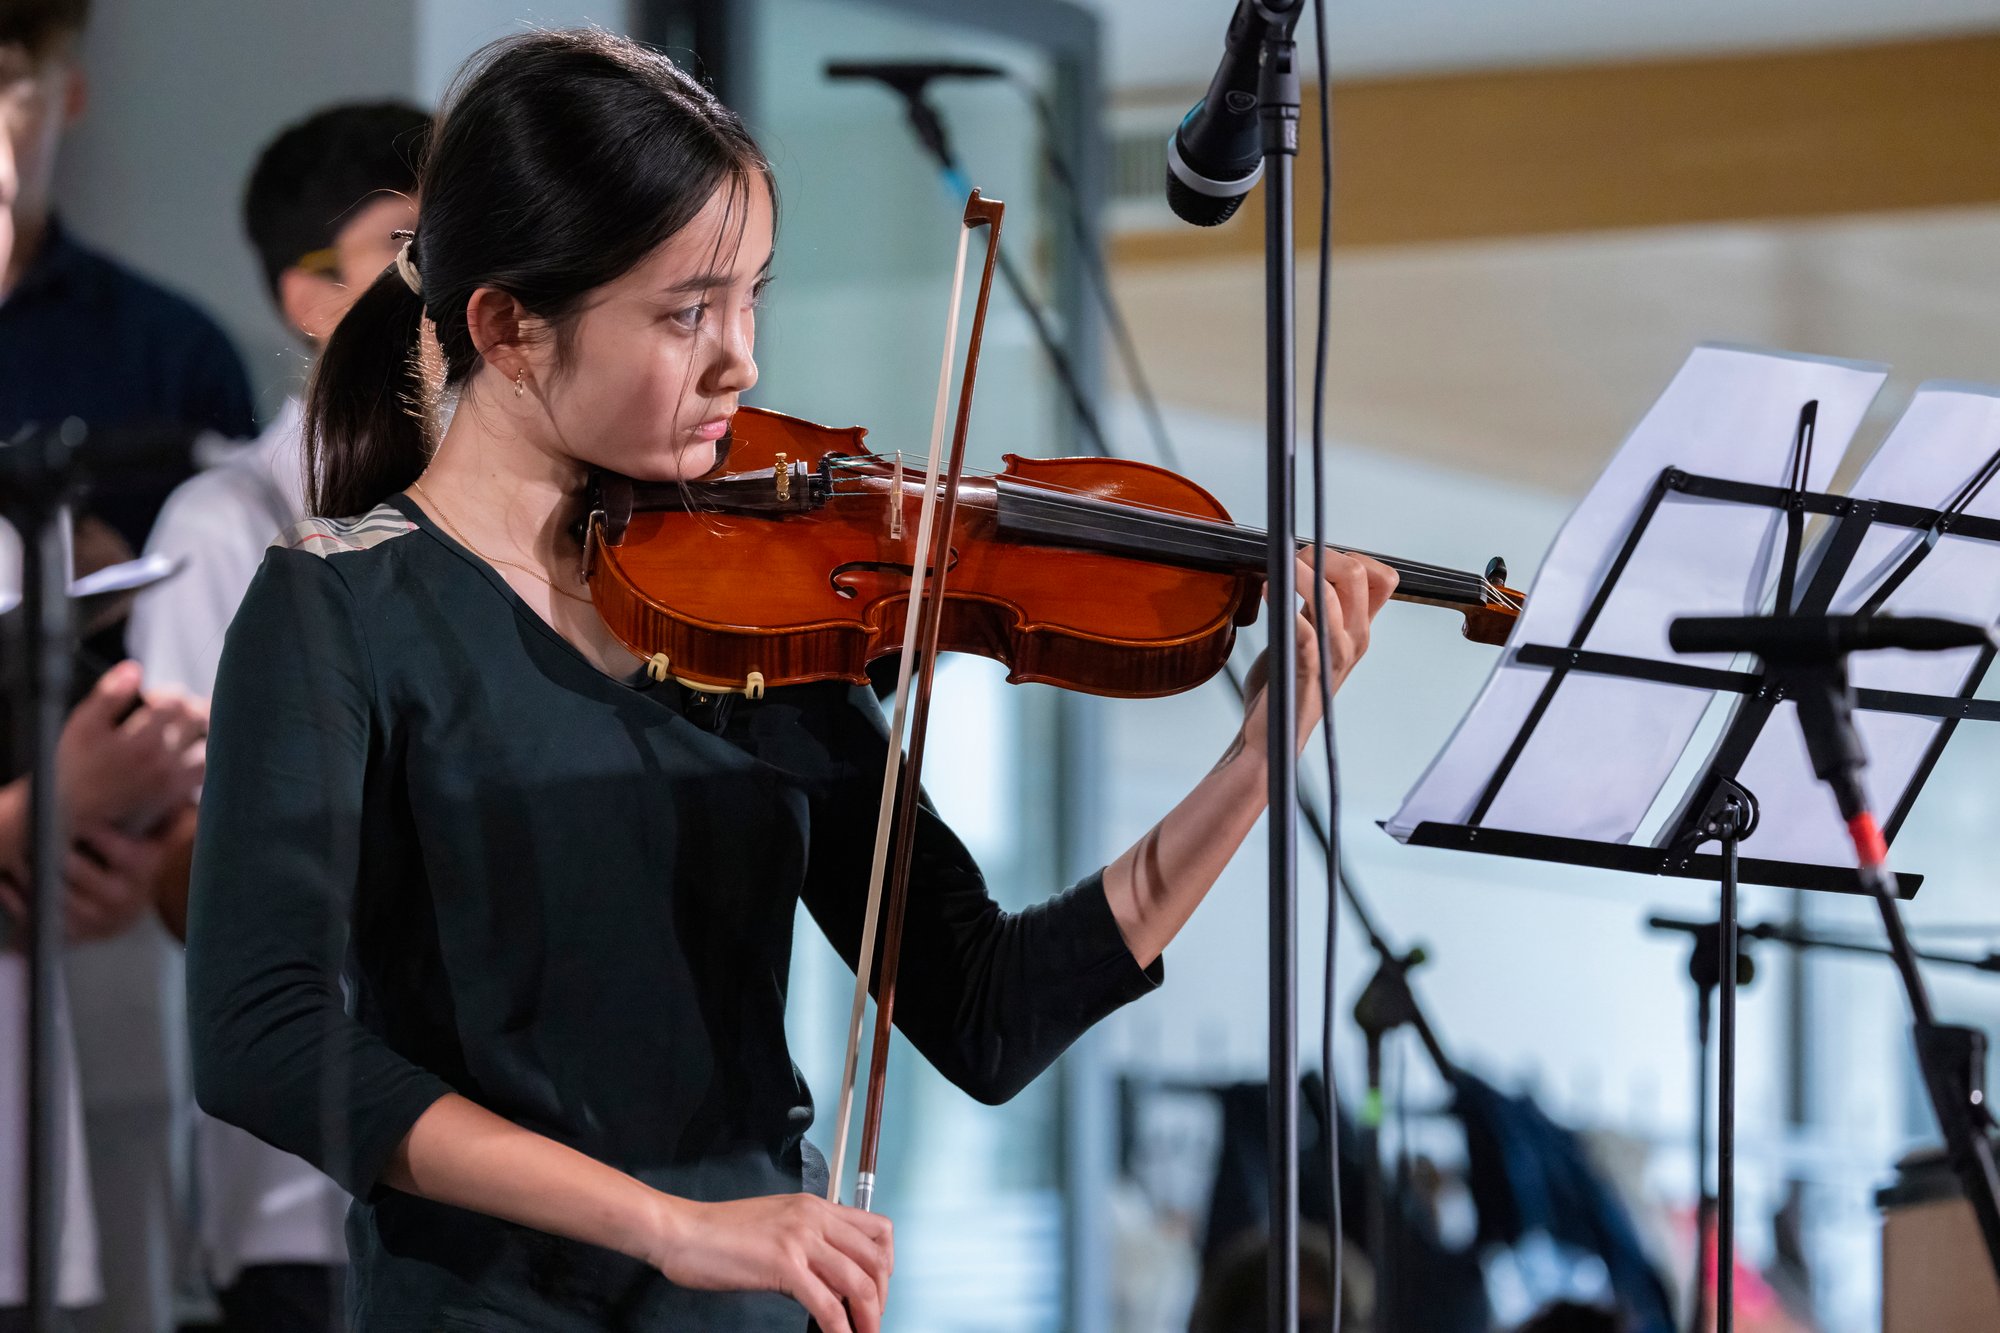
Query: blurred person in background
point(1233, 1293)
point(1572, 1317)
point(83, 336)
point(320, 208)
point(121, 753)
point(122, 756)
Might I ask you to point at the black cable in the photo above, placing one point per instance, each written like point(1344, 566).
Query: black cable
point(1320, 359)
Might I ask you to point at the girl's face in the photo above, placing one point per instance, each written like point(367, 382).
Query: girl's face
point(661, 355)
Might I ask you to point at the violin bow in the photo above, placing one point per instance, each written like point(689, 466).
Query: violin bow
point(902, 777)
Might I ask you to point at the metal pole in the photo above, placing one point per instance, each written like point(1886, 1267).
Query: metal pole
point(37, 472)
point(1725, 1137)
point(1279, 96)
point(1704, 1208)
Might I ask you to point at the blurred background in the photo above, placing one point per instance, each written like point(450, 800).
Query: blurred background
point(1541, 207)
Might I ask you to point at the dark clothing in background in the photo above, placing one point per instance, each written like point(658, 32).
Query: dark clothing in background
point(1439, 1290)
point(1529, 1174)
point(83, 336)
point(567, 897)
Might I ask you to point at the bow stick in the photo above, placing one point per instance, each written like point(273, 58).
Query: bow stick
point(901, 777)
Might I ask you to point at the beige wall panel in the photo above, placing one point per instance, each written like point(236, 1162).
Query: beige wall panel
point(1890, 126)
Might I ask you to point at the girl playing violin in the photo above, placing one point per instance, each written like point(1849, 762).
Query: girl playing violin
point(488, 925)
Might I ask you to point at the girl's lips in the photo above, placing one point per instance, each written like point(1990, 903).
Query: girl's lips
point(712, 430)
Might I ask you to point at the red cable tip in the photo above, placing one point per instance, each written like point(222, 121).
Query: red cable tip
point(1869, 843)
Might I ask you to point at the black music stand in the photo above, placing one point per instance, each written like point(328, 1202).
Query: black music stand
point(1716, 807)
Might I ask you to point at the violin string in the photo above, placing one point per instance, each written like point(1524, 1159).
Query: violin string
point(1172, 525)
point(1182, 535)
point(1139, 507)
point(1139, 512)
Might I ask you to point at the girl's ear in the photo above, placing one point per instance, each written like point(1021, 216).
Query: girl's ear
point(504, 333)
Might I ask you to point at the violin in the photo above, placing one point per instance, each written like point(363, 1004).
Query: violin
point(792, 562)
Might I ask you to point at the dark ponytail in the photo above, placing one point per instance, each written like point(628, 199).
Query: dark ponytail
point(560, 161)
point(368, 417)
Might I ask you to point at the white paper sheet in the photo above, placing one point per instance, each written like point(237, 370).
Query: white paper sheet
point(1947, 433)
point(1601, 751)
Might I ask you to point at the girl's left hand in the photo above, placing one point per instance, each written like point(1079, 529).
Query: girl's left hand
point(1356, 588)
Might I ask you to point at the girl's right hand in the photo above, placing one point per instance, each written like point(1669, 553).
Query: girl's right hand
point(833, 1260)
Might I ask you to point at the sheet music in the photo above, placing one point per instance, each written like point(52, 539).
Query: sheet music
point(1602, 750)
point(1946, 435)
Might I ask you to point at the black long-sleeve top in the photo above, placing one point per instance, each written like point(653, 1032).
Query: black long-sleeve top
point(441, 851)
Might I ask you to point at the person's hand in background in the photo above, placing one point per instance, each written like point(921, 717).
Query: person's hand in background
point(128, 758)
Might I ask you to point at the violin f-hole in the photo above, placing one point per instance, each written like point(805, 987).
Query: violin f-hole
point(845, 581)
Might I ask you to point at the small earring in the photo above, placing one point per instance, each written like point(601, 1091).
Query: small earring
point(520, 383)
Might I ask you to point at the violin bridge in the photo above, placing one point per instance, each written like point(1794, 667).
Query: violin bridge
point(781, 472)
point(896, 500)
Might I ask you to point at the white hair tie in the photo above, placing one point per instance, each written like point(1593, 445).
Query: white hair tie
point(407, 270)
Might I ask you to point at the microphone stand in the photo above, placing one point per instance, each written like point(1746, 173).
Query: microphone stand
point(1952, 1058)
point(38, 477)
point(1778, 933)
point(1385, 1004)
point(1278, 99)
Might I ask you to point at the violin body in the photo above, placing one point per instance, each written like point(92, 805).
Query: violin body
point(791, 563)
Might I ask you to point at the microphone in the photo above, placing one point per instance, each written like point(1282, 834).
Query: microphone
point(909, 77)
point(1800, 640)
point(1216, 153)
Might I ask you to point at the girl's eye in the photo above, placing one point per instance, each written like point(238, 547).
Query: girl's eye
point(691, 317)
point(757, 291)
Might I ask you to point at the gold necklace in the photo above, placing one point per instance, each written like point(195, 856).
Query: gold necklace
point(529, 570)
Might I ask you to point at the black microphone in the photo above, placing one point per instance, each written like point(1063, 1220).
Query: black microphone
point(1216, 154)
point(909, 77)
point(1806, 639)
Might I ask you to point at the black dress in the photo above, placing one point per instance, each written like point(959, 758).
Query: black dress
point(441, 851)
